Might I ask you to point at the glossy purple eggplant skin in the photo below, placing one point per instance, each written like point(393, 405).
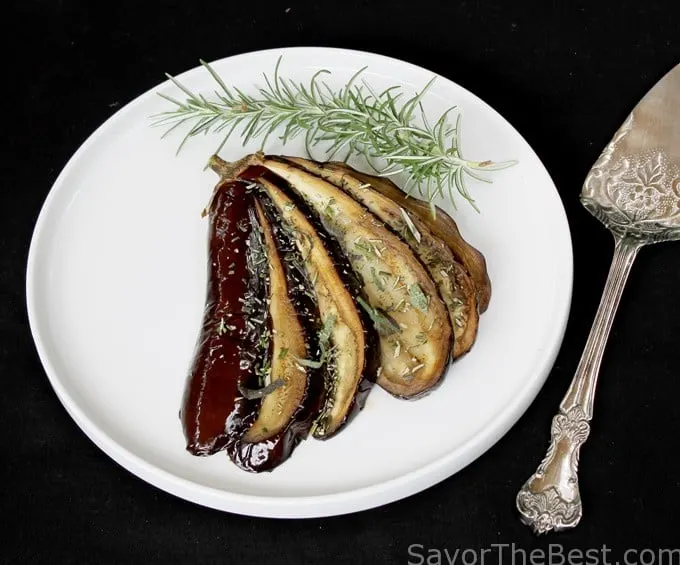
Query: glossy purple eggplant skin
point(269, 454)
point(212, 408)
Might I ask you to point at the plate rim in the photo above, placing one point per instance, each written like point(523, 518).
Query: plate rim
point(306, 506)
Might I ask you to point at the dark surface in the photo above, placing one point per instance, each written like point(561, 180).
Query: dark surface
point(564, 73)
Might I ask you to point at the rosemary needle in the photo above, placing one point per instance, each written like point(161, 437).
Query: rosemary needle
point(394, 136)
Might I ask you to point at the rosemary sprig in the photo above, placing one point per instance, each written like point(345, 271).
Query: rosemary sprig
point(392, 134)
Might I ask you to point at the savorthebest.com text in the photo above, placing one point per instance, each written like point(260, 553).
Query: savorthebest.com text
point(554, 554)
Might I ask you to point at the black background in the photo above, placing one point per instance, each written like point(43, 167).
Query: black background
point(564, 73)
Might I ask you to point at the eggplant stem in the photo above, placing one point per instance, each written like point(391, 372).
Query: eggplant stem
point(228, 170)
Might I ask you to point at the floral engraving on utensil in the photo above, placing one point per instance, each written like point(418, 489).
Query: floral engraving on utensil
point(550, 499)
point(636, 195)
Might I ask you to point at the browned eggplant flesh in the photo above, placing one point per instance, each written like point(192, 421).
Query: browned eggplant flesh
point(321, 281)
point(344, 355)
point(454, 285)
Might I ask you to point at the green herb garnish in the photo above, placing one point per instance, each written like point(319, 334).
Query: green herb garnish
point(325, 333)
point(418, 298)
point(324, 345)
point(255, 393)
point(383, 323)
point(329, 210)
point(388, 129)
point(410, 225)
point(377, 280)
point(366, 249)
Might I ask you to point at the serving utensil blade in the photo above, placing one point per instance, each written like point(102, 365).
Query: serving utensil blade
point(634, 187)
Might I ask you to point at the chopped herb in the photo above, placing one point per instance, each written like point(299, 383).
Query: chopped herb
point(325, 333)
point(377, 280)
point(264, 340)
point(418, 298)
point(421, 338)
point(410, 225)
point(309, 363)
point(329, 211)
point(324, 341)
point(397, 349)
point(283, 353)
point(223, 328)
point(364, 248)
point(255, 393)
point(383, 323)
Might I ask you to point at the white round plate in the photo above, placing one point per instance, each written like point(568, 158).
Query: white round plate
point(116, 281)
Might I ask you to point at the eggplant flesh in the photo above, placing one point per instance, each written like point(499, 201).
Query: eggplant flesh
point(213, 411)
point(415, 333)
point(442, 225)
point(454, 285)
point(347, 364)
point(288, 343)
point(289, 393)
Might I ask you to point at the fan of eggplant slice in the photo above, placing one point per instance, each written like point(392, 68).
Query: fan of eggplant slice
point(322, 280)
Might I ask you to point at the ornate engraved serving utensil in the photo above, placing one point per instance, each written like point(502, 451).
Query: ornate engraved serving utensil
point(634, 190)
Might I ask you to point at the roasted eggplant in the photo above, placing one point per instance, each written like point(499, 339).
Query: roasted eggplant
point(399, 295)
point(286, 388)
point(321, 280)
point(345, 349)
point(455, 287)
point(442, 225)
point(213, 411)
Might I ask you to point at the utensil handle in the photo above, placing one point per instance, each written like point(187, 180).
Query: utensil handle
point(550, 499)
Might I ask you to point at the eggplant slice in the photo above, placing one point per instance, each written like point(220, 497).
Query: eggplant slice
point(278, 408)
point(455, 286)
point(442, 226)
point(400, 296)
point(213, 412)
point(346, 350)
point(283, 415)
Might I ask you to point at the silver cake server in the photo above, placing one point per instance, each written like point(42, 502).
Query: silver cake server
point(634, 190)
